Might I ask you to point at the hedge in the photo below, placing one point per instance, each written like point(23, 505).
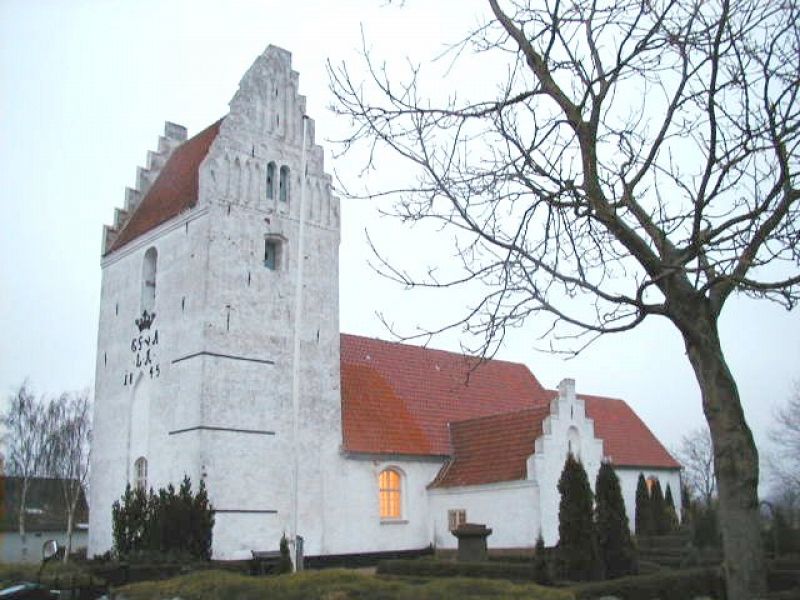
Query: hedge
point(666, 585)
point(444, 568)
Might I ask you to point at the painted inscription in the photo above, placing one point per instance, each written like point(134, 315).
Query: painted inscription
point(144, 347)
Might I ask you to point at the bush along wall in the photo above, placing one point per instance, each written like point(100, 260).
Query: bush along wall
point(170, 522)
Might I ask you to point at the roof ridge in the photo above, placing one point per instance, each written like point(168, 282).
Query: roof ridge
point(438, 350)
point(508, 414)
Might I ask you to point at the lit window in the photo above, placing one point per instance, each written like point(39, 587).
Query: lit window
point(271, 180)
point(140, 473)
point(389, 485)
point(456, 518)
point(283, 184)
point(149, 280)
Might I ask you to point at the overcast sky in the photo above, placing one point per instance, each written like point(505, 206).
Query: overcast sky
point(85, 88)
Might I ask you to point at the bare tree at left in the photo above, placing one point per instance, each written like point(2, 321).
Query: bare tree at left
point(25, 442)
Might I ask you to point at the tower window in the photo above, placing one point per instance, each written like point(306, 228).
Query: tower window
point(271, 181)
point(272, 249)
point(283, 186)
point(140, 473)
point(149, 280)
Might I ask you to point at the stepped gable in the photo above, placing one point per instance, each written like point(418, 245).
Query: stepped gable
point(627, 441)
point(174, 190)
point(492, 449)
point(398, 398)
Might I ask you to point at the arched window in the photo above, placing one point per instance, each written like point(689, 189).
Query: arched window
point(574, 442)
point(271, 181)
point(140, 473)
point(149, 280)
point(390, 490)
point(283, 185)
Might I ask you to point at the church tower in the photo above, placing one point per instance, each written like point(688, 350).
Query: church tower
point(218, 343)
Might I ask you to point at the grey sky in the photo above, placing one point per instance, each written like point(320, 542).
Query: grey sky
point(85, 88)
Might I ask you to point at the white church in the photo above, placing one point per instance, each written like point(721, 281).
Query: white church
point(220, 357)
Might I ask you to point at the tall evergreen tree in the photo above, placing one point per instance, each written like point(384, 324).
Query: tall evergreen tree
point(644, 514)
point(670, 512)
point(613, 530)
point(686, 504)
point(577, 538)
point(658, 510)
point(541, 572)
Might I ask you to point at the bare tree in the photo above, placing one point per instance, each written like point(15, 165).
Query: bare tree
point(69, 436)
point(25, 442)
point(696, 454)
point(784, 462)
point(639, 158)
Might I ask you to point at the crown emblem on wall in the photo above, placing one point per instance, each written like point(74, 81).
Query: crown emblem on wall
point(146, 320)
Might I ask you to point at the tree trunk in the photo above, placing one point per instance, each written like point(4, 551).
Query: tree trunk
point(70, 520)
point(23, 499)
point(735, 460)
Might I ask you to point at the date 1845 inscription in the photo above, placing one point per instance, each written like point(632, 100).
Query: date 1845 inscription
point(144, 347)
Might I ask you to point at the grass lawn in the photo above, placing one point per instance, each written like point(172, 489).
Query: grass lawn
point(12, 573)
point(332, 585)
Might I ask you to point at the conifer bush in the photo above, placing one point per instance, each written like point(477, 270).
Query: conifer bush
point(541, 571)
point(658, 509)
point(613, 531)
point(644, 513)
point(577, 546)
point(671, 513)
point(169, 522)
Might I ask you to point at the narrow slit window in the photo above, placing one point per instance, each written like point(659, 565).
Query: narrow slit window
point(271, 249)
point(140, 473)
point(271, 181)
point(283, 186)
point(149, 280)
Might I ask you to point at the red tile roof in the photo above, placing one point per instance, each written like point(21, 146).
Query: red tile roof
point(627, 441)
point(398, 399)
point(173, 191)
point(492, 449)
point(402, 399)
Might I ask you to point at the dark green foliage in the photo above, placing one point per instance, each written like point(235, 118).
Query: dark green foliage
point(658, 509)
point(785, 538)
point(705, 530)
point(285, 563)
point(665, 585)
point(644, 514)
point(670, 514)
point(613, 530)
point(170, 522)
point(129, 520)
point(577, 545)
point(445, 568)
point(541, 571)
point(686, 504)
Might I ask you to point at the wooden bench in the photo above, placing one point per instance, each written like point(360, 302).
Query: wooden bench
point(265, 561)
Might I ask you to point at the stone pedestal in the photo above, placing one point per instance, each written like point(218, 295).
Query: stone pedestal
point(472, 541)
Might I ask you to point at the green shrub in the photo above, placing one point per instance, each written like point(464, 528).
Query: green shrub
point(173, 524)
point(541, 570)
point(665, 585)
point(658, 509)
point(425, 567)
point(332, 584)
point(577, 539)
point(613, 530)
point(671, 513)
point(644, 514)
